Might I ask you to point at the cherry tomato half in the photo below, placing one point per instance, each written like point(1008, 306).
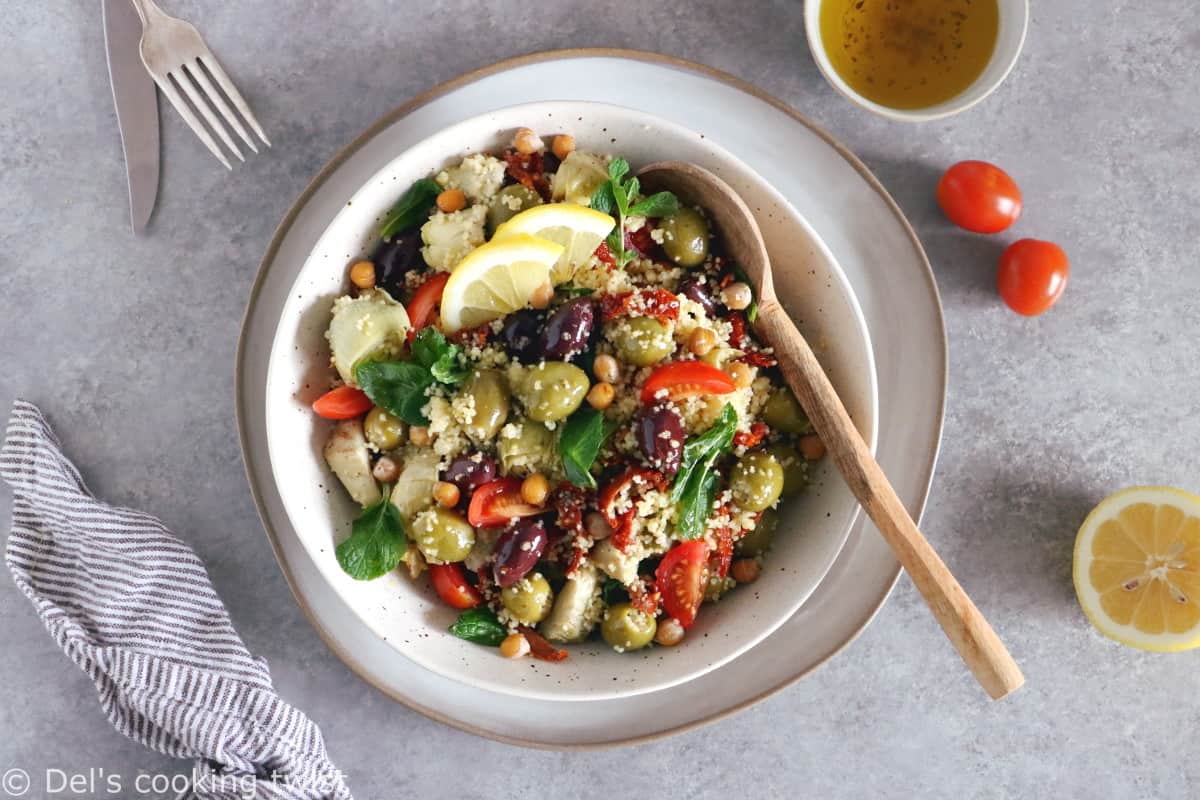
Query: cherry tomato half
point(1032, 275)
point(497, 502)
point(427, 297)
point(451, 585)
point(979, 196)
point(686, 379)
point(344, 402)
point(680, 580)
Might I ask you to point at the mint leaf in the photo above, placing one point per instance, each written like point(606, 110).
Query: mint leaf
point(618, 168)
point(695, 485)
point(579, 443)
point(613, 592)
point(661, 204)
point(412, 209)
point(603, 200)
point(632, 187)
point(443, 360)
point(398, 387)
point(376, 544)
point(479, 625)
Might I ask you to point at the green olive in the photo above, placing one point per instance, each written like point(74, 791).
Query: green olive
point(795, 469)
point(489, 390)
point(383, 430)
point(756, 481)
point(685, 237)
point(508, 202)
point(625, 628)
point(443, 536)
point(642, 341)
point(758, 540)
point(529, 599)
point(552, 390)
point(783, 413)
point(533, 449)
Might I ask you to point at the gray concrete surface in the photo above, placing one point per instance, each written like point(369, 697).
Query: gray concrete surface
point(128, 346)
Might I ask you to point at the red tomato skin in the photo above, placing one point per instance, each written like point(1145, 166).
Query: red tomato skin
point(425, 299)
point(344, 402)
point(684, 379)
point(979, 197)
point(451, 585)
point(497, 502)
point(693, 557)
point(1032, 276)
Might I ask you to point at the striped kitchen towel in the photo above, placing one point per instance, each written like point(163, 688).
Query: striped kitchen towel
point(133, 607)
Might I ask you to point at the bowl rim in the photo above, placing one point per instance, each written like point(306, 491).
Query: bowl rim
point(242, 373)
point(870, 399)
point(966, 99)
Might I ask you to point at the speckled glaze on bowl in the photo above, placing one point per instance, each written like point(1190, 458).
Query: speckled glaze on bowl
point(407, 614)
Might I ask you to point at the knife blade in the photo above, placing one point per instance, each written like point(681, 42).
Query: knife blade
point(136, 99)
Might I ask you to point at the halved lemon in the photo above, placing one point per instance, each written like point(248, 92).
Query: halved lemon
point(579, 229)
point(496, 279)
point(1137, 568)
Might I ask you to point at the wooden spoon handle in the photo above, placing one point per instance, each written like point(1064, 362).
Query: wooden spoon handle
point(966, 627)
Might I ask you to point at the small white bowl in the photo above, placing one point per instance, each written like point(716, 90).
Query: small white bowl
point(406, 613)
point(1014, 21)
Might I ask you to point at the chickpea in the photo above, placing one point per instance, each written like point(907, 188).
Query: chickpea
point(606, 368)
point(419, 435)
point(563, 145)
point(742, 374)
point(451, 200)
point(362, 274)
point(385, 470)
point(669, 633)
point(542, 296)
point(525, 141)
point(514, 646)
point(745, 570)
point(811, 447)
point(737, 296)
point(601, 396)
point(701, 341)
point(535, 489)
point(597, 526)
point(446, 494)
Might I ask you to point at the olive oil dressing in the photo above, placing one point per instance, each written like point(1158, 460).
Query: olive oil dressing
point(909, 54)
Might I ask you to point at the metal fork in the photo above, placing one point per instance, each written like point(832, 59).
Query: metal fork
point(182, 65)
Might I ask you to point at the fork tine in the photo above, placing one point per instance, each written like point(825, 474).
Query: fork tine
point(206, 111)
point(197, 72)
point(227, 86)
point(191, 119)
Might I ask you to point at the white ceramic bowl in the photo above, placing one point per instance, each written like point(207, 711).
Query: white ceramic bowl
point(1014, 21)
point(406, 613)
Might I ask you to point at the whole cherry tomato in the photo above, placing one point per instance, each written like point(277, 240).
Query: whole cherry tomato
point(1032, 275)
point(979, 196)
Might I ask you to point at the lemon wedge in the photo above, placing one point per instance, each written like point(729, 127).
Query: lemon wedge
point(579, 229)
point(1137, 568)
point(496, 279)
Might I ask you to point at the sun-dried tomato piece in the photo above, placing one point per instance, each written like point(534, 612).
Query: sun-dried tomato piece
point(722, 557)
point(756, 358)
point(752, 437)
point(539, 647)
point(737, 330)
point(641, 240)
point(529, 171)
point(644, 598)
point(605, 255)
point(658, 303)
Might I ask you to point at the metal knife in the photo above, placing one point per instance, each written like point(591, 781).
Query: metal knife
point(136, 99)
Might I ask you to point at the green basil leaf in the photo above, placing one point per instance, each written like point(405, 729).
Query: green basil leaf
point(613, 592)
point(479, 625)
point(579, 443)
point(412, 209)
point(752, 309)
point(398, 387)
point(376, 544)
point(661, 204)
point(695, 485)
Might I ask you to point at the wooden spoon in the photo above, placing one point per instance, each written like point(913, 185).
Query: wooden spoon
point(970, 633)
